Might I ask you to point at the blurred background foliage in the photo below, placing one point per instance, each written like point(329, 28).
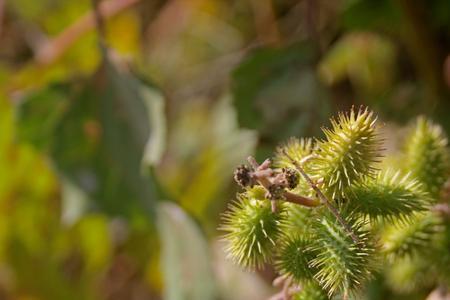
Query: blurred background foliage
point(116, 162)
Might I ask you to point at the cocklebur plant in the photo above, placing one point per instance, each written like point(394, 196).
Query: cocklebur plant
point(419, 250)
point(327, 215)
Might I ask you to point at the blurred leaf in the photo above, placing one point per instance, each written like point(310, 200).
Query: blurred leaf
point(59, 51)
point(277, 92)
point(363, 57)
point(94, 241)
point(223, 148)
point(371, 14)
point(97, 134)
point(156, 144)
point(185, 256)
point(74, 202)
point(234, 283)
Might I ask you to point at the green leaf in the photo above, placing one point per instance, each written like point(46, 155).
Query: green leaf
point(277, 92)
point(362, 57)
point(156, 144)
point(40, 113)
point(97, 135)
point(370, 15)
point(202, 176)
point(185, 256)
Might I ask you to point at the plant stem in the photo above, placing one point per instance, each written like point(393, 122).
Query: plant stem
point(52, 50)
point(2, 14)
point(298, 199)
point(323, 198)
point(99, 25)
point(261, 174)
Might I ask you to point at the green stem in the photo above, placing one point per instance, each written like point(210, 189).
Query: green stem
point(323, 198)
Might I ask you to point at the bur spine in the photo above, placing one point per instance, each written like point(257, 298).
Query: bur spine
point(361, 215)
point(427, 155)
point(348, 153)
point(252, 229)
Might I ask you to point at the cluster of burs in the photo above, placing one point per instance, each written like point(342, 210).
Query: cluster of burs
point(390, 220)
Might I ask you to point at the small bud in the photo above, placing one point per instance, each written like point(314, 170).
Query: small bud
point(291, 178)
point(242, 175)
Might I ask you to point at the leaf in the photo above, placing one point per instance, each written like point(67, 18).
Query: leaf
point(221, 146)
point(277, 92)
point(370, 15)
point(185, 256)
point(97, 133)
point(234, 282)
point(363, 58)
point(156, 144)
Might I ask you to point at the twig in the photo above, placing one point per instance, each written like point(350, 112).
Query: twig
point(2, 13)
point(52, 50)
point(261, 174)
point(99, 25)
point(298, 199)
point(312, 13)
point(323, 198)
point(265, 21)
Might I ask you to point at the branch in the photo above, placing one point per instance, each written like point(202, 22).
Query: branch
point(265, 21)
point(99, 25)
point(323, 198)
point(263, 172)
point(52, 50)
point(2, 14)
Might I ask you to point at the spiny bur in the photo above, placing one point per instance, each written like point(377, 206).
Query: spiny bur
point(328, 219)
point(427, 155)
point(294, 258)
point(295, 148)
point(252, 229)
point(343, 264)
point(412, 237)
point(349, 151)
point(388, 196)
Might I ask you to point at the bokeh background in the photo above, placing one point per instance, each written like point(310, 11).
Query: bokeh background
point(119, 134)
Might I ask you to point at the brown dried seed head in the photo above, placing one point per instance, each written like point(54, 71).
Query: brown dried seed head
point(291, 177)
point(242, 175)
